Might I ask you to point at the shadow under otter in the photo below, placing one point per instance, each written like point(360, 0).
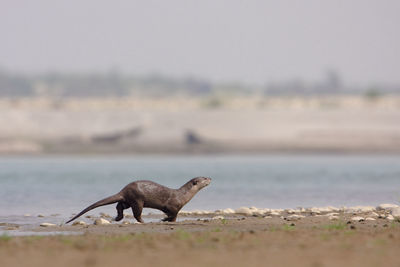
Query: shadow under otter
point(147, 194)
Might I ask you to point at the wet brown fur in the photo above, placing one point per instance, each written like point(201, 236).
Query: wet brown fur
point(147, 194)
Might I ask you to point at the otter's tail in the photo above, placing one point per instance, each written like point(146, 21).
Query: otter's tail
point(106, 201)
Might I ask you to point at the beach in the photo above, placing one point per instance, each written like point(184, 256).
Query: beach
point(298, 184)
point(319, 238)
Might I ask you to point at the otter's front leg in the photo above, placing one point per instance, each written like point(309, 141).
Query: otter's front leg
point(171, 216)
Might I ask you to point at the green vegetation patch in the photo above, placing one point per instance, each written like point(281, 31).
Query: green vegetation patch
point(336, 226)
point(5, 238)
point(287, 227)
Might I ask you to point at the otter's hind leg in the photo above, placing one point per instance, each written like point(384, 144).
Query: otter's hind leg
point(120, 210)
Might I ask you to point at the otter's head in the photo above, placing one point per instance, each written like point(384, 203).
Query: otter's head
point(196, 184)
point(199, 182)
point(192, 187)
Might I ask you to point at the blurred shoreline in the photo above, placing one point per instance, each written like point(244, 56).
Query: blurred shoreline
point(200, 125)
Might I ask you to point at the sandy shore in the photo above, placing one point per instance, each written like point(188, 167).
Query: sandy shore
point(333, 124)
point(237, 240)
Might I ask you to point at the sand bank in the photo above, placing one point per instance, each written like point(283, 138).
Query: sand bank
point(199, 220)
point(251, 125)
point(234, 241)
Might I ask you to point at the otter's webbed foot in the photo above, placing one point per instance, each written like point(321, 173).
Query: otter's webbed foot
point(169, 219)
point(119, 217)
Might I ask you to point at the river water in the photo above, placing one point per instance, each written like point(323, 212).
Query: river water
point(66, 184)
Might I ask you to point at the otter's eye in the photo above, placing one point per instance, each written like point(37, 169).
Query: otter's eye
point(194, 182)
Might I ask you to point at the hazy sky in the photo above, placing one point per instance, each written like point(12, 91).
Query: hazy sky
point(250, 41)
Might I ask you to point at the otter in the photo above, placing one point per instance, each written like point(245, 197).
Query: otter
point(147, 194)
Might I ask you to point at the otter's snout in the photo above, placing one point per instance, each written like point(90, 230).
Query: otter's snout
point(207, 180)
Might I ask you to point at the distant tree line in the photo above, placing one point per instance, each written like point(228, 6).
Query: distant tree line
point(98, 85)
point(115, 84)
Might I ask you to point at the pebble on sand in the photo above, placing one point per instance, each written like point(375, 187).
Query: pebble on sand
point(105, 215)
point(387, 207)
point(197, 212)
point(79, 223)
point(219, 217)
point(390, 217)
point(244, 211)
point(11, 228)
point(314, 210)
point(274, 213)
point(396, 212)
point(47, 224)
point(259, 212)
point(373, 214)
point(101, 221)
point(369, 219)
point(225, 211)
point(358, 218)
point(294, 217)
point(359, 209)
point(332, 214)
point(290, 211)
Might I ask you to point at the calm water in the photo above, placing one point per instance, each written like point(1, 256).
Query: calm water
point(65, 185)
